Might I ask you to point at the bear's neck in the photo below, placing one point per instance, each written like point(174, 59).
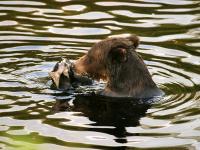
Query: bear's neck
point(130, 78)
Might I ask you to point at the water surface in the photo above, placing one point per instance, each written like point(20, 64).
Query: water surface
point(35, 34)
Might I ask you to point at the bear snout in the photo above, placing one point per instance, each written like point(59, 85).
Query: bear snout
point(80, 65)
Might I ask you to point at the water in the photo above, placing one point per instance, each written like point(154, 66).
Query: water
point(35, 34)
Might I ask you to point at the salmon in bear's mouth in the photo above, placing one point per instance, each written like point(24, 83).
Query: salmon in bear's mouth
point(64, 77)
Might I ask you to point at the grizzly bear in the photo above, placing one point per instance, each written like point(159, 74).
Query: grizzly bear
point(116, 61)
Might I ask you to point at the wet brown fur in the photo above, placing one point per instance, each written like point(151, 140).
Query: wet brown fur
point(116, 61)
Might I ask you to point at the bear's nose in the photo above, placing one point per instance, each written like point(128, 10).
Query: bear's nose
point(79, 66)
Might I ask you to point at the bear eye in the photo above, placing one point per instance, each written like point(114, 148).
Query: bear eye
point(89, 59)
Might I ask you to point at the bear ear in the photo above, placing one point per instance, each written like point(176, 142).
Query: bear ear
point(135, 40)
point(118, 54)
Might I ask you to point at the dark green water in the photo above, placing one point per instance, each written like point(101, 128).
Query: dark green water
point(35, 34)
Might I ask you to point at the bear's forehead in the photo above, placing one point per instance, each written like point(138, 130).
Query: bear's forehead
point(120, 42)
point(110, 43)
point(117, 41)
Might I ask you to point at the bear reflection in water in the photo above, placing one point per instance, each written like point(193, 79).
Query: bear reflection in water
point(106, 111)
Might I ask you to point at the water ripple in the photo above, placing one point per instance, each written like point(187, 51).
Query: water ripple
point(79, 31)
point(35, 34)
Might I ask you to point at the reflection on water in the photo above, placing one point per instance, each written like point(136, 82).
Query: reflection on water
point(105, 111)
point(35, 34)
